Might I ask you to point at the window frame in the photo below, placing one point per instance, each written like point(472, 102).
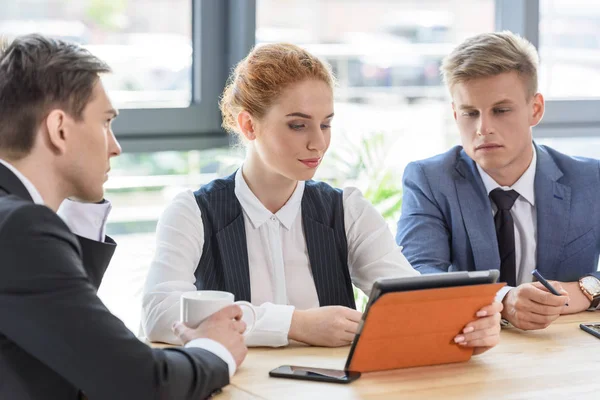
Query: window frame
point(222, 34)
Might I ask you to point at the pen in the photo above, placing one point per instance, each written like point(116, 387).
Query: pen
point(544, 282)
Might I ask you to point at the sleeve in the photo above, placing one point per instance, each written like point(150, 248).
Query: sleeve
point(502, 293)
point(216, 348)
point(372, 252)
point(597, 273)
point(87, 220)
point(47, 291)
point(272, 327)
point(179, 243)
point(422, 230)
point(96, 257)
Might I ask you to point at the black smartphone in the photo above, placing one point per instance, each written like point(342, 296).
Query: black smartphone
point(314, 374)
point(592, 329)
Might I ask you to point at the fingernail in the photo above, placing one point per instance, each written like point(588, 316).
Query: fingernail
point(481, 313)
point(462, 344)
point(459, 339)
point(468, 329)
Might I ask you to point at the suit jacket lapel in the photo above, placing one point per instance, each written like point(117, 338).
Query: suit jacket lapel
point(477, 214)
point(10, 184)
point(552, 202)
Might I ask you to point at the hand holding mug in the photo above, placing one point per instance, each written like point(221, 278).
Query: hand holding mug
point(225, 327)
point(196, 306)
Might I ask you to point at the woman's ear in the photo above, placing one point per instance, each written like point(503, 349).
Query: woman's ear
point(246, 125)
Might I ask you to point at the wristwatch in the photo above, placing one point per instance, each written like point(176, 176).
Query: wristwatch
point(590, 286)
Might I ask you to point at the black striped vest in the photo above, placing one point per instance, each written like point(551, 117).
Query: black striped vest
point(224, 261)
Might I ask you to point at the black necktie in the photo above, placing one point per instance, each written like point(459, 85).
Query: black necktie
point(505, 232)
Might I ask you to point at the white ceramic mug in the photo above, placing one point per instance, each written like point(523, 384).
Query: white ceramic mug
point(198, 305)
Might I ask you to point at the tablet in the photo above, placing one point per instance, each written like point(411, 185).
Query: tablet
point(431, 281)
point(412, 321)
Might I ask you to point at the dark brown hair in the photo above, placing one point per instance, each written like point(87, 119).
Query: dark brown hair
point(260, 78)
point(38, 74)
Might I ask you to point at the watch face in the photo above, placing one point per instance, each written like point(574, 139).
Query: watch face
point(591, 284)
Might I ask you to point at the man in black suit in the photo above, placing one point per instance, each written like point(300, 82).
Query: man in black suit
point(57, 339)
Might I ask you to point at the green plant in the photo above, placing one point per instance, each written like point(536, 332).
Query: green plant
point(360, 298)
point(363, 163)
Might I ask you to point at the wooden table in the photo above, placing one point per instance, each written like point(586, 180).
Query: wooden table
point(560, 362)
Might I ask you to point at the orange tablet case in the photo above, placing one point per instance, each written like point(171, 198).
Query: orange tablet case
point(416, 328)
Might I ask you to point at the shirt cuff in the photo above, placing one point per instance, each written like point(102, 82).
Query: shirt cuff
point(87, 220)
point(272, 326)
point(217, 349)
point(502, 293)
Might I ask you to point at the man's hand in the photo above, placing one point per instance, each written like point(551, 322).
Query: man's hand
point(531, 306)
point(484, 332)
point(330, 326)
point(225, 326)
point(578, 301)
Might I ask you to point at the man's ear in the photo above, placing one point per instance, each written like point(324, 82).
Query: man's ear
point(538, 108)
point(246, 125)
point(454, 111)
point(56, 122)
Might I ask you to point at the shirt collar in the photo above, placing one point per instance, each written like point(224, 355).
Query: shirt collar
point(257, 213)
point(33, 192)
point(524, 186)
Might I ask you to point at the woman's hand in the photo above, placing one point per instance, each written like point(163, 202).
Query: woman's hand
point(330, 326)
point(484, 332)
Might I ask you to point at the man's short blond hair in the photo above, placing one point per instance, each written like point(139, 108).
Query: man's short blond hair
point(491, 54)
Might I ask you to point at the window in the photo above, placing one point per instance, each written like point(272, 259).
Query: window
point(574, 146)
point(169, 101)
point(147, 43)
point(569, 48)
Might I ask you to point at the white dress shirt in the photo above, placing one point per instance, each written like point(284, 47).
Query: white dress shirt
point(525, 222)
point(89, 220)
point(280, 273)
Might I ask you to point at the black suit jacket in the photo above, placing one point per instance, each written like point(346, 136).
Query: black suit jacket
point(57, 339)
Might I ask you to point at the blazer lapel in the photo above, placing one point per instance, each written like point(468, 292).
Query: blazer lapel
point(552, 202)
point(477, 215)
point(233, 250)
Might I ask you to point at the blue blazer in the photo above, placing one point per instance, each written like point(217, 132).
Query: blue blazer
point(447, 222)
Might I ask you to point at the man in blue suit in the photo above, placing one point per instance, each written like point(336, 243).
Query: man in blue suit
point(500, 201)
